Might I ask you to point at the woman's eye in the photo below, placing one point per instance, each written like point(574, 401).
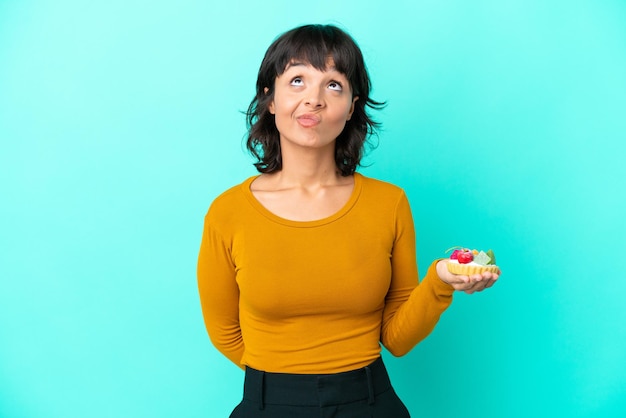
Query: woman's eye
point(296, 81)
point(334, 85)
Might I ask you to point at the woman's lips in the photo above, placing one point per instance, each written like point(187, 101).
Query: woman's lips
point(308, 120)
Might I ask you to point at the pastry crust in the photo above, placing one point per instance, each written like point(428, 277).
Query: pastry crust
point(468, 269)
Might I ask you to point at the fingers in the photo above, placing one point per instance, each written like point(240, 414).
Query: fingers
point(467, 284)
point(479, 282)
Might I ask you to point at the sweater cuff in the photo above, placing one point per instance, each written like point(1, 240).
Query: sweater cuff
point(432, 278)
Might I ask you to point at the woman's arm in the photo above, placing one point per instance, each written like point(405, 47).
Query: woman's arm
point(219, 293)
point(411, 310)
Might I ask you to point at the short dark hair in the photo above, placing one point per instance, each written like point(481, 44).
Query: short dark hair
point(312, 44)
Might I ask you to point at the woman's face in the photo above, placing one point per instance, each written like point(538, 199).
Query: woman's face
point(311, 107)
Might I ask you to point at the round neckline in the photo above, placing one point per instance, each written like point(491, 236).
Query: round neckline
point(356, 191)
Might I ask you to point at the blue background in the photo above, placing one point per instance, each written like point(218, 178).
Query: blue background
point(120, 121)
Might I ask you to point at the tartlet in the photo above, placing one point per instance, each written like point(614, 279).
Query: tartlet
point(466, 262)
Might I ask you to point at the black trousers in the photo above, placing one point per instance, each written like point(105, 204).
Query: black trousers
point(362, 393)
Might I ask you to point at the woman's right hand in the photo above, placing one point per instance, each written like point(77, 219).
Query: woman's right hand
point(468, 284)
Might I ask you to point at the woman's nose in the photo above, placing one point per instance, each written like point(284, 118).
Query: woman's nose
point(315, 97)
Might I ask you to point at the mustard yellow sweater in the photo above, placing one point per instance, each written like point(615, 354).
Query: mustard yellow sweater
point(315, 297)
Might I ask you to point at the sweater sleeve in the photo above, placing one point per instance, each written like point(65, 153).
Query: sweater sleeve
point(219, 293)
point(411, 309)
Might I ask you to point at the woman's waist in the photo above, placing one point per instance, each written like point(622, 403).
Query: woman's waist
point(317, 389)
point(330, 359)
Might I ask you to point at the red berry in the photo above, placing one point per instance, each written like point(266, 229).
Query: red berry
point(465, 256)
point(455, 254)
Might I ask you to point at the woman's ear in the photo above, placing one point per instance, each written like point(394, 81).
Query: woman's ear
point(270, 106)
point(352, 107)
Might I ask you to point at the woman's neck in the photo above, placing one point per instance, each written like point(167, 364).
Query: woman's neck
point(309, 167)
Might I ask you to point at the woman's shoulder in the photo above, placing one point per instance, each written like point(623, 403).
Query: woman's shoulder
point(380, 186)
point(231, 198)
point(386, 197)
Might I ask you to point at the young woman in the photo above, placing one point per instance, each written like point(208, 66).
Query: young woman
point(306, 269)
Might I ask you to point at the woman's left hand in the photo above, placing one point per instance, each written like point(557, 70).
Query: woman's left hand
point(468, 284)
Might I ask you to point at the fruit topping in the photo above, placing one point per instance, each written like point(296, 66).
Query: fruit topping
point(465, 256)
point(482, 258)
